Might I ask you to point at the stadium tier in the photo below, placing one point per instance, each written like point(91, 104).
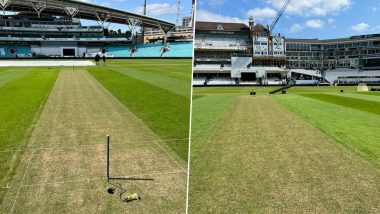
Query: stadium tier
point(182, 49)
point(240, 54)
point(28, 34)
point(17, 51)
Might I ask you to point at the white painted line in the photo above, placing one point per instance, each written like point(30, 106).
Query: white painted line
point(172, 158)
point(52, 63)
point(150, 174)
point(22, 182)
point(97, 179)
point(6, 186)
point(64, 182)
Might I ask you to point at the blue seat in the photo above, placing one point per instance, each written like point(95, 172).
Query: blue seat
point(20, 50)
point(181, 49)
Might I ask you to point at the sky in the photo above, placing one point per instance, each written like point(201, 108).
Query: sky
point(321, 19)
point(161, 9)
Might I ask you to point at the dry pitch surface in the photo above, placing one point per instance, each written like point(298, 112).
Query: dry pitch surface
point(62, 170)
point(261, 158)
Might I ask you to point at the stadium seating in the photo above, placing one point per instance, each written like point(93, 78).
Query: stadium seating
point(274, 81)
point(21, 51)
point(207, 67)
point(307, 72)
point(221, 81)
point(307, 82)
point(249, 83)
point(199, 80)
point(183, 49)
point(341, 73)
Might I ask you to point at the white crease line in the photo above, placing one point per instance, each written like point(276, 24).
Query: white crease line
point(97, 179)
point(6, 186)
point(87, 145)
point(22, 182)
point(158, 173)
point(63, 182)
point(171, 157)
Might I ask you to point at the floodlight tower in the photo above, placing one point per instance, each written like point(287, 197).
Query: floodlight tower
point(144, 7)
point(193, 14)
point(178, 11)
point(143, 27)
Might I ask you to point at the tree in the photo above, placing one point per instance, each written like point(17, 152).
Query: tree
point(128, 34)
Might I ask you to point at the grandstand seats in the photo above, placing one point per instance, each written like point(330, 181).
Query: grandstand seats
point(306, 82)
point(221, 81)
point(274, 81)
point(249, 83)
point(182, 49)
point(307, 72)
point(345, 73)
point(208, 67)
point(21, 51)
point(199, 80)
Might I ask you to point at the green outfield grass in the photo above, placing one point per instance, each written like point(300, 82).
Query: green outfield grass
point(22, 97)
point(374, 93)
point(349, 102)
point(55, 121)
point(163, 103)
point(313, 150)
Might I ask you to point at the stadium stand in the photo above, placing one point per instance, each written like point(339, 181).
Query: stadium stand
point(352, 76)
point(182, 49)
point(208, 67)
point(259, 57)
point(49, 34)
point(220, 42)
point(220, 81)
point(199, 80)
point(20, 51)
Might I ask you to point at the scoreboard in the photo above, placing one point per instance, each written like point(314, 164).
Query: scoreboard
point(264, 47)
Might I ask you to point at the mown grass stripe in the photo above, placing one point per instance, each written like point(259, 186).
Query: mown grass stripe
point(207, 113)
point(358, 104)
point(358, 96)
point(272, 161)
point(357, 130)
point(174, 85)
point(372, 93)
point(12, 74)
point(21, 102)
point(178, 69)
point(166, 113)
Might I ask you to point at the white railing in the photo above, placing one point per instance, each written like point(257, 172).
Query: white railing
point(52, 29)
point(60, 39)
